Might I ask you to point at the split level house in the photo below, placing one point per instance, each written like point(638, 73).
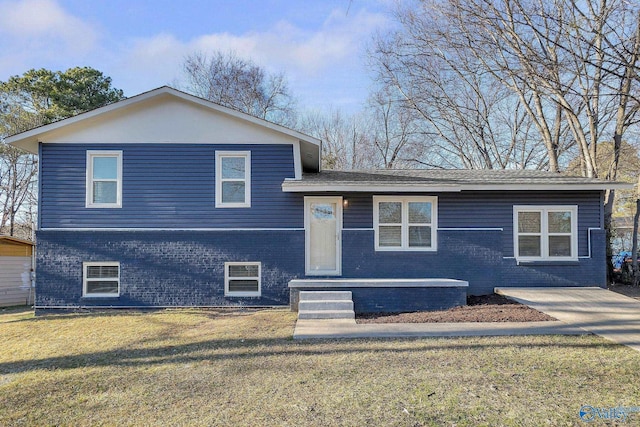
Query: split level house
point(168, 200)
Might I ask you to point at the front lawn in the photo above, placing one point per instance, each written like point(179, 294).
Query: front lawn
point(197, 367)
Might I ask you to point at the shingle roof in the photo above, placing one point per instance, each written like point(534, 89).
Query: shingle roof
point(443, 180)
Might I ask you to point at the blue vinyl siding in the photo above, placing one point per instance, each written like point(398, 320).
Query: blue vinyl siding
point(168, 186)
point(490, 210)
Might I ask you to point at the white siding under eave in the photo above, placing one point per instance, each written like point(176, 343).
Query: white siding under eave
point(15, 281)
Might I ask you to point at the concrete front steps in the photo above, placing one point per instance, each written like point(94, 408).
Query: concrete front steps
point(325, 305)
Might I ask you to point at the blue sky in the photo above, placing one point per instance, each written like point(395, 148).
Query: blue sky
point(318, 44)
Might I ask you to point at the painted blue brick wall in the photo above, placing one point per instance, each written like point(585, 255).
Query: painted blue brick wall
point(166, 268)
point(474, 256)
point(182, 268)
point(586, 272)
point(389, 300)
point(167, 186)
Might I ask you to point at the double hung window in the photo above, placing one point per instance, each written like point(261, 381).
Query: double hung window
point(104, 179)
point(405, 223)
point(545, 232)
point(101, 279)
point(233, 179)
point(242, 279)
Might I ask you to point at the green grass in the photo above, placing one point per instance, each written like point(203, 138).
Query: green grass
point(197, 367)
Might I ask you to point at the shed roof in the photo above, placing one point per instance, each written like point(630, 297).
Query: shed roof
point(15, 240)
point(443, 180)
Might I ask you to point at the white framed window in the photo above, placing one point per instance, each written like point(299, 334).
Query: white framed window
point(545, 232)
point(101, 279)
point(233, 179)
point(242, 279)
point(104, 179)
point(405, 223)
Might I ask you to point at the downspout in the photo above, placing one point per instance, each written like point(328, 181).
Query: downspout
point(34, 228)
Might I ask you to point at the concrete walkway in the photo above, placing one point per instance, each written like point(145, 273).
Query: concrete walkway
point(578, 310)
point(599, 311)
point(306, 329)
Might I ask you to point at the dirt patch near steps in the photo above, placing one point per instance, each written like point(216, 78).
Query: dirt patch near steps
point(486, 308)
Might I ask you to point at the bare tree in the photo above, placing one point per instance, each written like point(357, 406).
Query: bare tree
point(466, 112)
point(240, 84)
point(394, 131)
point(345, 139)
point(18, 171)
point(571, 65)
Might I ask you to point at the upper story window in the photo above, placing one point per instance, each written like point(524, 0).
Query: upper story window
point(545, 232)
point(405, 223)
point(233, 179)
point(104, 179)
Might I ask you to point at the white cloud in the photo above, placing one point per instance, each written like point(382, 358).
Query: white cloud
point(308, 57)
point(317, 61)
point(45, 25)
point(283, 47)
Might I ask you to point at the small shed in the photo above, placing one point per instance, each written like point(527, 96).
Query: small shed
point(16, 257)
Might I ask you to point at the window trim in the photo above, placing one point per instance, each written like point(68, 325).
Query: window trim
point(247, 179)
point(404, 247)
point(85, 279)
point(227, 278)
point(91, 154)
point(544, 231)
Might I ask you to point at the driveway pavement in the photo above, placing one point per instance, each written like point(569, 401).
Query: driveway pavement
point(599, 311)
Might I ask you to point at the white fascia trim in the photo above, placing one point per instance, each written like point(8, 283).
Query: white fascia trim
point(212, 142)
point(289, 186)
point(471, 229)
point(297, 160)
point(546, 187)
point(164, 90)
point(166, 229)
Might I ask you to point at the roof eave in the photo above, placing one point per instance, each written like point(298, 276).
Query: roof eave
point(29, 140)
point(290, 186)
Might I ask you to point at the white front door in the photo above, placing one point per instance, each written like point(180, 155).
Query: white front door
point(323, 231)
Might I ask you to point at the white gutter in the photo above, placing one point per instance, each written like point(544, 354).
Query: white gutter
point(290, 186)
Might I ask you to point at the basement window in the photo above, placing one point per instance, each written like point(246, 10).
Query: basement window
point(101, 279)
point(242, 279)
